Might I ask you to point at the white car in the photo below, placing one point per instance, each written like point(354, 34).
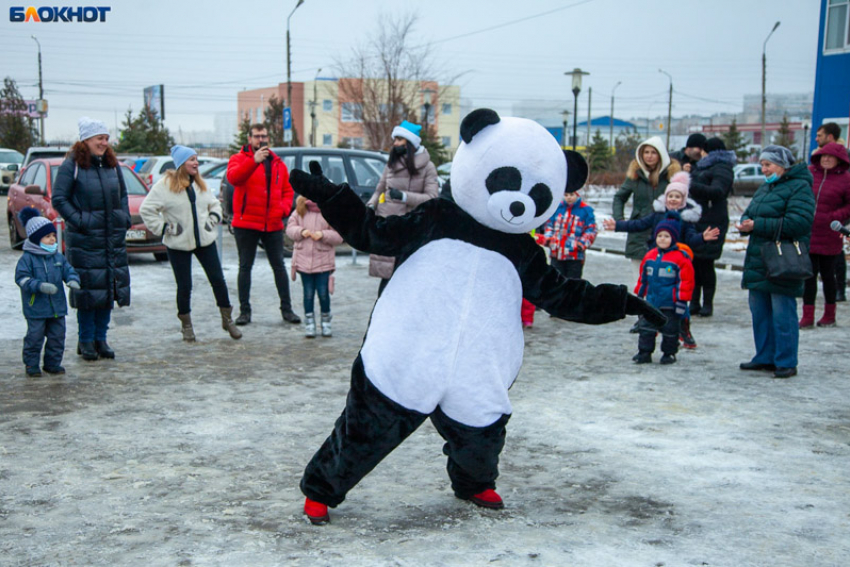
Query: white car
point(213, 173)
point(156, 166)
point(748, 172)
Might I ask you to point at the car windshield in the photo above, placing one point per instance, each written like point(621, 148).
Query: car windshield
point(11, 156)
point(134, 186)
point(148, 166)
point(213, 170)
point(46, 154)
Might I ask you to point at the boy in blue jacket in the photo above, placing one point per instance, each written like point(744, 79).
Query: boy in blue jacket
point(666, 282)
point(40, 273)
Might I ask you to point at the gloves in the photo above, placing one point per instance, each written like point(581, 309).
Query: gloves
point(74, 284)
point(212, 222)
point(173, 230)
point(637, 306)
point(681, 307)
point(47, 288)
point(314, 185)
point(397, 195)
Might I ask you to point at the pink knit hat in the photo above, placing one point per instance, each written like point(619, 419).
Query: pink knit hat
point(680, 183)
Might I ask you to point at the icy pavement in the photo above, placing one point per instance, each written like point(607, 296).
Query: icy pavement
point(178, 454)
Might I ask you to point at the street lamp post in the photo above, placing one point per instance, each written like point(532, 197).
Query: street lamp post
point(40, 92)
point(764, 80)
point(576, 74)
point(564, 113)
point(427, 95)
point(289, 62)
point(313, 109)
point(611, 123)
point(669, 106)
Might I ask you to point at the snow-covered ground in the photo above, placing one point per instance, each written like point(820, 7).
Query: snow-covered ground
point(178, 454)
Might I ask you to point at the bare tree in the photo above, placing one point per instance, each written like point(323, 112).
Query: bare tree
point(385, 79)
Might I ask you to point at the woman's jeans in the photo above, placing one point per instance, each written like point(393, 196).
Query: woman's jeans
point(181, 265)
point(775, 329)
point(316, 284)
point(93, 324)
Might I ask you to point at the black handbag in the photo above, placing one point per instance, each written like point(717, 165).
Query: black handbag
point(786, 260)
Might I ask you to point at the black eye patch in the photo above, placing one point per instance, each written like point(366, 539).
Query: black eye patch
point(503, 179)
point(542, 197)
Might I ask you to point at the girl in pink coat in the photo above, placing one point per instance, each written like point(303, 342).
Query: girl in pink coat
point(314, 257)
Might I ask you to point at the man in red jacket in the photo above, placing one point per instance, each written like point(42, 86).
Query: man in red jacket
point(262, 198)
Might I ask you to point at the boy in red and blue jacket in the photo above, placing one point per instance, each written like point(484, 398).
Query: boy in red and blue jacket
point(666, 282)
point(568, 233)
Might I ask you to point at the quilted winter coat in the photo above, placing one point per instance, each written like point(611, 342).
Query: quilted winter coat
point(789, 198)
point(831, 188)
point(312, 256)
point(711, 185)
point(260, 202)
point(93, 203)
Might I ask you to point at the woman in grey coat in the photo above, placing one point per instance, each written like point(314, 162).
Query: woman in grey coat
point(409, 180)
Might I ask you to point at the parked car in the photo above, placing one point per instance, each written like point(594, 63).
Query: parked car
point(35, 189)
point(748, 178)
point(43, 152)
point(444, 171)
point(213, 173)
point(156, 166)
point(10, 162)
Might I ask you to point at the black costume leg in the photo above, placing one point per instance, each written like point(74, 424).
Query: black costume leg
point(473, 453)
point(370, 427)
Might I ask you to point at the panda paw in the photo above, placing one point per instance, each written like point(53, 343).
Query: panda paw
point(314, 185)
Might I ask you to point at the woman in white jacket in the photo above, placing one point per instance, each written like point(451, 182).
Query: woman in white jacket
point(185, 213)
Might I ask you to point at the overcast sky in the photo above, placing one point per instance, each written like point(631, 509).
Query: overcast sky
point(507, 51)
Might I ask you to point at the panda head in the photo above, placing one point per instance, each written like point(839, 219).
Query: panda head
point(509, 173)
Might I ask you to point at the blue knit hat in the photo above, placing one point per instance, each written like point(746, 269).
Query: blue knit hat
point(37, 226)
point(180, 154)
point(409, 131)
point(669, 226)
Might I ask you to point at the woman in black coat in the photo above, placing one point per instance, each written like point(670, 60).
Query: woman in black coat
point(91, 196)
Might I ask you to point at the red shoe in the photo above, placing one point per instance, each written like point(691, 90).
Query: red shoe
point(316, 512)
point(488, 499)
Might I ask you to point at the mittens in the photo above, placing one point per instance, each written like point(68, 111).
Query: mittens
point(397, 195)
point(47, 288)
point(74, 284)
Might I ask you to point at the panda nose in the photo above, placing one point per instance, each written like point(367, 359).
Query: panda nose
point(517, 208)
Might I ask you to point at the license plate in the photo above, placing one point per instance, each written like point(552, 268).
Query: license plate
point(136, 235)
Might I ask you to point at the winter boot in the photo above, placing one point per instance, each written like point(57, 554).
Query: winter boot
point(187, 329)
point(103, 349)
point(309, 325)
point(668, 359)
point(87, 351)
point(840, 295)
point(326, 325)
point(228, 324)
point(316, 512)
point(707, 303)
point(828, 319)
point(244, 317)
point(642, 357)
point(289, 316)
point(808, 320)
point(486, 499)
point(685, 334)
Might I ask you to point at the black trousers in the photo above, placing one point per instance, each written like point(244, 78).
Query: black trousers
point(841, 271)
point(181, 265)
point(569, 268)
point(669, 334)
point(53, 330)
point(705, 282)
point(372, 425)
point(825, 266)
point(246, 245)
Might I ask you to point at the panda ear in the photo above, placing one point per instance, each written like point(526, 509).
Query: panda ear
point(476, 121)
point(576, 170)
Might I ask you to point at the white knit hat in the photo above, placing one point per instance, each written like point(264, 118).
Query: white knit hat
point(89, 128)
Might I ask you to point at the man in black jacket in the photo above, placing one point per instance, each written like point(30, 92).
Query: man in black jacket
point(693, 151)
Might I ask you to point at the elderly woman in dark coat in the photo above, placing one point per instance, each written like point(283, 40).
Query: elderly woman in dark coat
point(90, 194)
point(786, 197)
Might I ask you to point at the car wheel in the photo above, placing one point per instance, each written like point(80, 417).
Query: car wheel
point(15, 241)
point(160, 256)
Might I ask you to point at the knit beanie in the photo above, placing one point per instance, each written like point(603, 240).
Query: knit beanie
point(36, 225)
point(679, 182)
point(669, 226)
point(696, 141)
point(779, 155)
point(180, 154)
point(89, 128)
point(714, 144)
point(409, 131)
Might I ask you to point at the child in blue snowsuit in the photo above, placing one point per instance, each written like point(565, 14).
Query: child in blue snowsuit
point(40, 273)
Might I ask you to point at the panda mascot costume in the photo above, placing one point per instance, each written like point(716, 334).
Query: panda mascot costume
point(451, 310)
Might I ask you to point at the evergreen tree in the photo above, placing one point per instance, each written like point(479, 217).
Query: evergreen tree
point(598, 154)
point(273, 121)
point(144, 134)
point(785, 138)
point(735, 141)
point(241, 137)
point(438, 152)
point(16, 128)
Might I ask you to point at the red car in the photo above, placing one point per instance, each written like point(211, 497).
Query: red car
point(34, 188)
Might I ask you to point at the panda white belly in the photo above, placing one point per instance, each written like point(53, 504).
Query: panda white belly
point(447, 332)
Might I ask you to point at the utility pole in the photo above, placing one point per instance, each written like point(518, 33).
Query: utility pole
point(313, 109)
point(611, 123)
point(764, 81)
point(40, 92)
point(669, 106)
point(288, 103)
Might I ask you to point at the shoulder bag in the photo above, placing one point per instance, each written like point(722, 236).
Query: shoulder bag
point(786, 260)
